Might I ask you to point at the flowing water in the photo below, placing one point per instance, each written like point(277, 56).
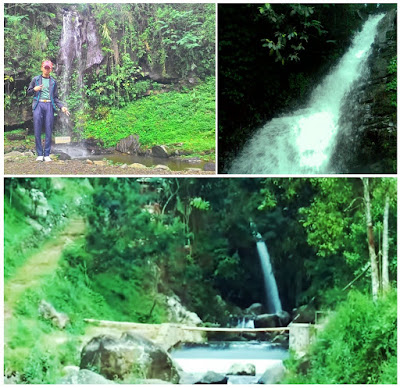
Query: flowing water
point(303, 141)
point(197, 359)
point(271, 289)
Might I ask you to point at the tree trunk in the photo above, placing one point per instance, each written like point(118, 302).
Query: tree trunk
point(385, 248)
point(371, 243)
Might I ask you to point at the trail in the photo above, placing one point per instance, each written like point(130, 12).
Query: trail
point(39, 265)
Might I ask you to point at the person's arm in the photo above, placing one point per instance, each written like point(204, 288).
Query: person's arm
point(31, 87)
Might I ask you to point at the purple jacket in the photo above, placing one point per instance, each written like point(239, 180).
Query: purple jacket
point(52, 91)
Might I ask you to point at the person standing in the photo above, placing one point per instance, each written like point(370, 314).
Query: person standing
point(43, 88)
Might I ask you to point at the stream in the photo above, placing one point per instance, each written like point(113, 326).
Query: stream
point(82, 153)
point(198, 359)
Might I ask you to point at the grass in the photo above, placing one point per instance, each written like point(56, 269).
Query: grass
point(167, 118)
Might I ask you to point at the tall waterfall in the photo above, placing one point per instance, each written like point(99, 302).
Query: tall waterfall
point(303, 141)
point(79, 50)
point(271, 289)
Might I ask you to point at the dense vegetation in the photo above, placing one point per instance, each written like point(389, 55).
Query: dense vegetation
point(146, 48)
point(269, 58)
point(150, 237)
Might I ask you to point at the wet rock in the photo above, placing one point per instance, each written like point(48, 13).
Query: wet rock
point(213, 378)
point(116, 357)
point(209, 166)
point(129, 145)
point(242, 370)
point(283, 317)
point(273, 375)
point(83, 376)
point(304, 314)
point(266, 320)
point(255, 309)
point(47, 311)
point(162, 167)
point(160, 151)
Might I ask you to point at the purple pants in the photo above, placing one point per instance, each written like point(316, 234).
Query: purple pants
point(43, 115)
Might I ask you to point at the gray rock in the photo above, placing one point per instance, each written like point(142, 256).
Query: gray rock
point(213, 378)
point(83, 376)
point(284, 318)
point(273, 375)
point(242, 370)
point(131, 354)
point(129, 144)
point(160, 151)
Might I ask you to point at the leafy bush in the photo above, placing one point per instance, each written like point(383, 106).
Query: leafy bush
point(357, 346)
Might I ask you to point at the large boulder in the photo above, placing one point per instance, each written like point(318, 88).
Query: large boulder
point(242, 370)
point(213, 378)
point(131, 354)
point(160, 151)
point(283, 317)
point(304, 314)
point(266, 320)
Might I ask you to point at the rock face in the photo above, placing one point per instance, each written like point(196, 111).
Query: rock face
point(242, 370)
point(130, 354)
point(129, 145)
point(369, 120)
point(47, 311)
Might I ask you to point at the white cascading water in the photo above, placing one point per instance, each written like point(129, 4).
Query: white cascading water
point(271, 289)
point(303, 141)
point(70, 51)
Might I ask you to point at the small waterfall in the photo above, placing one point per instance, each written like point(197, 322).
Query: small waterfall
point(304, 141)
point(245, 323)
point(271, 289)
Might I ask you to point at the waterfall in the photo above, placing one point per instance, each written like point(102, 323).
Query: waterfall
point(304, 140)
point(79, 50)
point(271, 289)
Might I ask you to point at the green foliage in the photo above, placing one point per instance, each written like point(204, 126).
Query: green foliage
point(166, 118)
point(358, 345)
point(392, 85)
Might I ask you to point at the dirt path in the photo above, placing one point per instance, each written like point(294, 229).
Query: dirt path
point(27, 166)
point(39, 265)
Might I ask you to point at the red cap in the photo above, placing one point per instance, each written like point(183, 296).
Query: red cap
point(47, 64)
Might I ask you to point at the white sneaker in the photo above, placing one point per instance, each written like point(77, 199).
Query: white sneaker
point(39, 159)
point(47, 159)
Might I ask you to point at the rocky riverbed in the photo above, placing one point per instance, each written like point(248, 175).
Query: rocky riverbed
point(24, 163)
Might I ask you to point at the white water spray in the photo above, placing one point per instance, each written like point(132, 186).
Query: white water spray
point(303, 141)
